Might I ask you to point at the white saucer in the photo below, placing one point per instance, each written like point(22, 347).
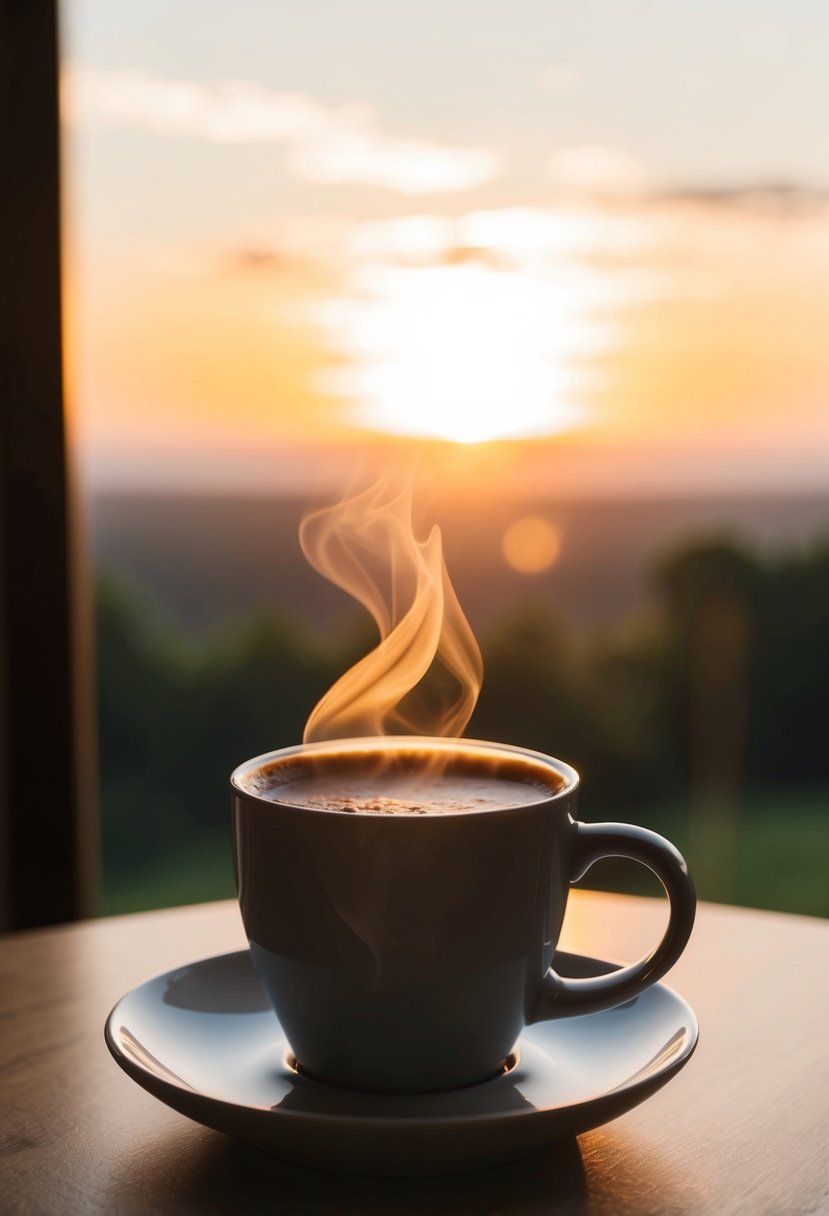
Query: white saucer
point(204, 1039)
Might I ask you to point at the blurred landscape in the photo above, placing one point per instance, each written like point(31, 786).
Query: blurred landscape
point(578, 278)
point(206, 560)
point(676, 652)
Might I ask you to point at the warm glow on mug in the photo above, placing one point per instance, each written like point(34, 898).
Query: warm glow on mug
point(530, 545)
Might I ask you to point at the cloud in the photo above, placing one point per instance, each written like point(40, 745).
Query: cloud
point(508, 236)
point(593, 169)
point(781, 198)
point(324, 144)
point(257, 259)
point(411, 166)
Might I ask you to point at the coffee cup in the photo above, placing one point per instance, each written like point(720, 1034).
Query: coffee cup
point(405, 942)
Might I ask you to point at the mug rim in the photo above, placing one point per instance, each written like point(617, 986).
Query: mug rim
point(563, 770)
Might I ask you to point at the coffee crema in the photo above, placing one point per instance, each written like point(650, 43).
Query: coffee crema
point(406, 782)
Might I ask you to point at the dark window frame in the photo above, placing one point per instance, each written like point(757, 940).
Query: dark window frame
point(48, 816)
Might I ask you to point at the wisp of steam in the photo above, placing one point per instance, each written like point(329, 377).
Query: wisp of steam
point(366, 545)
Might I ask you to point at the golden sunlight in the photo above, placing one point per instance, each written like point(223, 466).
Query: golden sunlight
point(531, 545)
point(466, 352)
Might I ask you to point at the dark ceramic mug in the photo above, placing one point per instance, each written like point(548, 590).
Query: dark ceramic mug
point(408, 952)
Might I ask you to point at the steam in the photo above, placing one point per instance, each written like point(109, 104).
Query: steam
point(366, 545)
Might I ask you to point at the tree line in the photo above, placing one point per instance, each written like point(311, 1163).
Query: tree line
point(715, 692)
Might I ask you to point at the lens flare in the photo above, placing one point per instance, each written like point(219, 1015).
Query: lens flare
point(531, 545)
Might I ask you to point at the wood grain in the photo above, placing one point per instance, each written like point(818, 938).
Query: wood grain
point(743, 1129)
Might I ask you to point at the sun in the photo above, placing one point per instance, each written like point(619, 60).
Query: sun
point(467, 353)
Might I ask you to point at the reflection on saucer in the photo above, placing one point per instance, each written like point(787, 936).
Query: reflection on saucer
point(216, 985)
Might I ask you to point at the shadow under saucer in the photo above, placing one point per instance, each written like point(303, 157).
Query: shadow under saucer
point(219, 1176)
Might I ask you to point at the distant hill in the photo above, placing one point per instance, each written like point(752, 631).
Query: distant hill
point(207, 559)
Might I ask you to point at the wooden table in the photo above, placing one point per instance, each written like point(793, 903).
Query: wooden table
point(743, 1129)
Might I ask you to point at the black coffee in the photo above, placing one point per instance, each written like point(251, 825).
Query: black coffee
point(409, 783)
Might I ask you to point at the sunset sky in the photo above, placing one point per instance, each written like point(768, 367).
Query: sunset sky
point(599, 231)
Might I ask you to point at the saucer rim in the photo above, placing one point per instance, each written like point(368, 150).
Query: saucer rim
point(159, 1085)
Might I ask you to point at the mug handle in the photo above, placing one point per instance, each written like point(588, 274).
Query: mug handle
point(564, 997)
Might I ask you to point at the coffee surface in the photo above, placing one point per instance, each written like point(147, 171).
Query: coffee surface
point(416, 785)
